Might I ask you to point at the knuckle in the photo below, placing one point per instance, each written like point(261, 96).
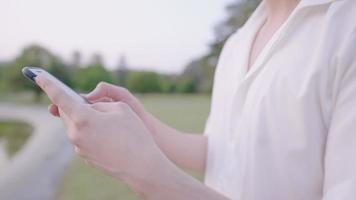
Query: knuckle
point(56, 96)
point(125, 91)
point(75, 139)
point(103, 85)
point(95, 106)
point(45, 83)
point(77, 150)
point(80, 121)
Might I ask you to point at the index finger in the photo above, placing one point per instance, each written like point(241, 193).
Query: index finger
point(58, 94)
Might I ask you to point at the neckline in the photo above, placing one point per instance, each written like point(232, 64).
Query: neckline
point(252, 43)
point(252, 28)
point(257, 21)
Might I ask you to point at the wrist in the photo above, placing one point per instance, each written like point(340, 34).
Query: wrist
point(152, 123)
point(152, 176)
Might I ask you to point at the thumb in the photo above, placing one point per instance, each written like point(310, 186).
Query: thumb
point(106, 90)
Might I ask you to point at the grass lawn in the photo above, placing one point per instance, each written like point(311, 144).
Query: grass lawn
point(184, 112)
point(23, 98)
point(15, 133)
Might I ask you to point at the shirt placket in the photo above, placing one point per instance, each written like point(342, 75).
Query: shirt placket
point(242, 92)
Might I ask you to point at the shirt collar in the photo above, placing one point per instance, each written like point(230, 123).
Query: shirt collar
point(316, 2)
point(260, 13)
point(303, 3)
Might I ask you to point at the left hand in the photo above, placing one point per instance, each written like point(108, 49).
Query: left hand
point(109, 135)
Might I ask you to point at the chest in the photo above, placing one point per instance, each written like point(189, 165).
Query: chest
point(291, 81)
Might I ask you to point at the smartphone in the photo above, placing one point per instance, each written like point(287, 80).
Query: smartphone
point(32, 72)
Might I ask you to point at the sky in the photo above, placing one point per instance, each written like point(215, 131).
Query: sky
point(160, 35)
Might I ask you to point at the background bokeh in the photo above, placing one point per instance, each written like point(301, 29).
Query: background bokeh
point(164, 51)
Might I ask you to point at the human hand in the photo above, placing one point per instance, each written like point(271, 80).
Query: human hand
point(112, 137)
point(105, 92)
point(109, 135)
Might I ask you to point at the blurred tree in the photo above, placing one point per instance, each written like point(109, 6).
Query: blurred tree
point(201, 70)
point(88, 77)
point(96, 59)
point(143, 82)
point(122, 71)
point(2, 84)
point(238, 13)
point(76, 60)
point(167, 84)
point(186, 85)
point(35, 56)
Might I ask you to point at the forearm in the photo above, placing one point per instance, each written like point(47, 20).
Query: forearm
point(186, 150)
point(166, 181)
point(176, 184)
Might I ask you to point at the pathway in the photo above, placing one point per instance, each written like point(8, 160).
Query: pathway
point(33, 174)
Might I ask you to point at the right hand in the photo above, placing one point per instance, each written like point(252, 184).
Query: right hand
point(105, 92)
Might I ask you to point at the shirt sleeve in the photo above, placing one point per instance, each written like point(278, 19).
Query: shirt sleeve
point(340, 153)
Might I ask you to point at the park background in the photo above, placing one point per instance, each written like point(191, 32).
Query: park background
point(179, 97)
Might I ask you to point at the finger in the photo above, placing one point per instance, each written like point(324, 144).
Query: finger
point(58, 96)
point(109, 91)
point(53, 109)
point(109, 106)
point(103, 99)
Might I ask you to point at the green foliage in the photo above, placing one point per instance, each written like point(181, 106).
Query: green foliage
point(2, 82)
point(167, 85)
point(201, 70)
point(15, 134)
point(122, 71)
point(35, 56)
point(143, 82)
point(238, 13)
point(187, 85)
point(61, 71)
point(2, 86)
point(197, 77)
point(86, 79)
point(121, 77)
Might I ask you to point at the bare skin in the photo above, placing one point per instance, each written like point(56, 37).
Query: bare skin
point(172, 142)
point(113, 138)
point(135, 146)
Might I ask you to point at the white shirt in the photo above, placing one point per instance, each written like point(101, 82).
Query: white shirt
point(286, 129)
